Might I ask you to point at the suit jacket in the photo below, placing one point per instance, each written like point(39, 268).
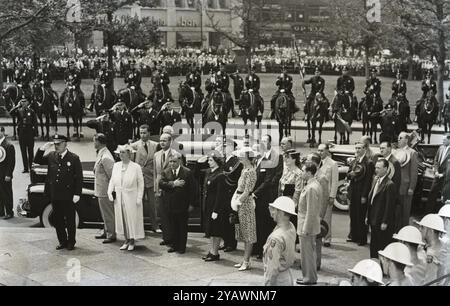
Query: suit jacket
point(397, 175)
point(309, 209)
point(170, 119)
point(331, 171)
point(178, 199)
point(361, 180)
point(64, 177)
point(382, 203)
point(269, 172)
point(145, 160)
point(158, 168)
point(103, 171)
point(324, 194)
point(409, 173)
point(9, 163)
point(440, 161)
point(232, 170)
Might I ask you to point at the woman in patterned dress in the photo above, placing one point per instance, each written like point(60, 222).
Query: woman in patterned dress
point(246, 229)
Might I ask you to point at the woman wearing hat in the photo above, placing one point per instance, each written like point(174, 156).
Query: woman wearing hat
point(215, 206)
point(126, 189)
point(279, 250)
point(246, 229)
point(291, 182)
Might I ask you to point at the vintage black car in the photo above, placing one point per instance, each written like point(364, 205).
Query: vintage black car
point(341, 153)
point(88, 212)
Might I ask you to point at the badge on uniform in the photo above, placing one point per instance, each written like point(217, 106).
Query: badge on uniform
point(29, 114)
point(68, 164)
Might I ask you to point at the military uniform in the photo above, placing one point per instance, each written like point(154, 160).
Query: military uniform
point(27, 128)
point(22, 78)
point(64, 181)
point(151, 117)
point(123, 126)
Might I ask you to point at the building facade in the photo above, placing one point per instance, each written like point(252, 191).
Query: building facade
point(185, 22)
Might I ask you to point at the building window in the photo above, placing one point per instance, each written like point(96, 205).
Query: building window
point(191, 3)
point(179, 3)
point(212, 4)
point(223, 4)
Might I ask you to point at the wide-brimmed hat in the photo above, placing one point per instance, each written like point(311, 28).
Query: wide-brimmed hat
point(285, 204)
point(124, 148)
point(246, 151)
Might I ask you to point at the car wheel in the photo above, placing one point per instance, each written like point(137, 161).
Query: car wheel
point(47, 217)
point(342, 202)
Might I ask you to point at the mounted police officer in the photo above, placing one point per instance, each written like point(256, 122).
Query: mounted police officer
point(373, 84)
point(22, 78)
point(27, 129)
point(238, 86)
point(317, 86)
point(72, 77)
point(252, 81)
point(43, 76)
point(105, 77)
point(223, 84)
point(345, 83)
point(163, 78)
point(133, 78)
point(63, 187)
point(429, 85)
point(194, 79)
point(399, 86)
point(285, 84)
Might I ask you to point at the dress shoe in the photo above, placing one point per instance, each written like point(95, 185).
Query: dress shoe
point(213, 258)
point(245, 266)
point(327, 244)
point(207, 256)
point(304, 283)
point(60, 247)
point(158, 231)
point(350, 240)
point(229, 249)
point(70, 247)
point(124, 247)
point(131, 247)
point(238, 265)
point(7, 217)
point(103, 236)
point(171, 250)
point(222, 248)
point(109, 240)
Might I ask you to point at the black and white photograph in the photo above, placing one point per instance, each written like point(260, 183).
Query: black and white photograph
point(196, 144)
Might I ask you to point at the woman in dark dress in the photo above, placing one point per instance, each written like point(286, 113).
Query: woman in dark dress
point(214, 205)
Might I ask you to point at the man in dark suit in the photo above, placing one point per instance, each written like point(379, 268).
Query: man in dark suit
point(170, 116)
point(360, 176)
point(269, 171)
point(63, 188)
point(7, 164)
point(381, 212)
point(178, 186)
point(123, 123)
point(440, 168)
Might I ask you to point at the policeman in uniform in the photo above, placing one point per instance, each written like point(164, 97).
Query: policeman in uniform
point(133, 78)
point(43, 76)
point(429, 85)
point(238, 86)
point(169, 115)
point(148, 115)
point(194, 79)
point(223, 84)
point(345, 83)
point(27, 130)
point(123, 123)
point(164, 79)
point(72, 77)
point(317, 84)
point(105, 77)
point(252, 81)
point(22, 78)
point(285, 84)
point(103, 125)
point(399, 86)
point(63, 188)
point(373, 84)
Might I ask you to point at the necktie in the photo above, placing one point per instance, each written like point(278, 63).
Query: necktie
point(375, 190)
point(146, 147)
point(174, 173)
point(163, 158)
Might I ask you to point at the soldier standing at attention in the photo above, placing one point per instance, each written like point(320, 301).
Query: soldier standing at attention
point(63, 187)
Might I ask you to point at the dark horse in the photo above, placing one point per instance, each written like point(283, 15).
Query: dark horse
point(427, 111)
point(316, 111)
point(132, 100)
point(157, 94)
point(71, 108)
point(190, 102)
point(12, 94)
point(369, 110)
point(214, 109)
point(43, 103)
point(252, 107)
point(343, 109)
point(104, 99)
point(283, 114)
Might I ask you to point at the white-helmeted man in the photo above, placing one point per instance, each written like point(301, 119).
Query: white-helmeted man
point(394, 259)
point(444, 212)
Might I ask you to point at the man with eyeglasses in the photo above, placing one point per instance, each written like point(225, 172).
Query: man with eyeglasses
point(63, 187)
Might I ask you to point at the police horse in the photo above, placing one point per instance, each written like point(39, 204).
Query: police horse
point(427, 111)
point(190, 102)
point(104, 99)
point(43, 102)
point(157, 94)
point(343, 113)
point(316, 111)
point(215, 109)
point(11, 95)
point(132, 99)
point(252, 107)
point(284, 114)
point(71, 108)
point(370, 114)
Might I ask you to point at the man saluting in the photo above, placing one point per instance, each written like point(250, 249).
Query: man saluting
point(63, 188)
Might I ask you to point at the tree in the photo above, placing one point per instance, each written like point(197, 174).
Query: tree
point(99, 15)
point(428, 22)
point(249, 13)
point(20, 14)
